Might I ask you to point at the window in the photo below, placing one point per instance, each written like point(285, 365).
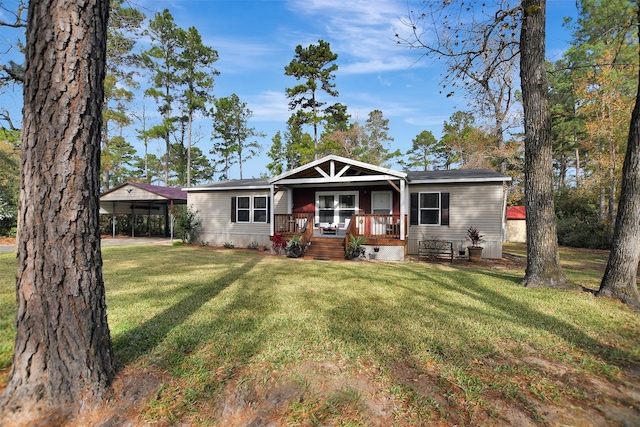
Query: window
point(429, 208)
point(243, 209)
point(250, 209)
point(326, 209)
point(347, 207)
point(260, 209)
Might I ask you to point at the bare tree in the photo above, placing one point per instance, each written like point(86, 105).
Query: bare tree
point(480, 43)
point(63, 360)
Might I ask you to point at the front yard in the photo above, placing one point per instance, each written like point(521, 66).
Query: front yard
point(220, 337)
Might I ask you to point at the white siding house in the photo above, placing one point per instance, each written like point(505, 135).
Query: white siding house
point(334, 197)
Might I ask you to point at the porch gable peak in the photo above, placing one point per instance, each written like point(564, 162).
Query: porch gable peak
point(334, 168)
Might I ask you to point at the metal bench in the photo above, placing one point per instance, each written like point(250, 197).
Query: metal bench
point(435, 248)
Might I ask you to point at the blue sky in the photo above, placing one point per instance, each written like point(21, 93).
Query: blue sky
point(256, 39)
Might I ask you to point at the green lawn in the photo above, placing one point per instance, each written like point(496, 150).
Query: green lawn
point(237, 336)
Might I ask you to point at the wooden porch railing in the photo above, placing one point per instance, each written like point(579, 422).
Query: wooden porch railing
point(292, 223)
point(375, 226)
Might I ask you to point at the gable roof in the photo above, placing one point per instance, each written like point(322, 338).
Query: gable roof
point(334, 168)
point(516, 212)
point(168, 193)
point(456, 175)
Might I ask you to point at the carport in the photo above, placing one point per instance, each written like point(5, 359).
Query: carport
point(135, 199)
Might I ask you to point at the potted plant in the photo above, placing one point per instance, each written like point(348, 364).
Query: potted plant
point(461, 251)
point(475, 251)
point(294, 247)
point(355, 248)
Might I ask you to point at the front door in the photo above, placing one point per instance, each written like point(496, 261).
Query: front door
point(381, 203)
point(335, 207)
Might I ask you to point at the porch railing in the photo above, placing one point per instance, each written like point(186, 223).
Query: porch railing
point(375, 226)
point(295, 224)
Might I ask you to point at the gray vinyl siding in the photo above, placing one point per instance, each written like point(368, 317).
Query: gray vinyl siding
point(470, 205)
point(214, 211)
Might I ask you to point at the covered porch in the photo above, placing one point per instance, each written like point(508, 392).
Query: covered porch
point(338, 195)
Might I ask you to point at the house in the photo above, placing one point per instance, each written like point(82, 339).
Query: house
point(333, 197)
point(516, 224)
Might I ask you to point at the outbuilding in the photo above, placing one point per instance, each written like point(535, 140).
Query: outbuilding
point(147, 208)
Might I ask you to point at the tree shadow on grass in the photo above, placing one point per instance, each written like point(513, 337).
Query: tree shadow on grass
point(524, 315)
point(138, 341)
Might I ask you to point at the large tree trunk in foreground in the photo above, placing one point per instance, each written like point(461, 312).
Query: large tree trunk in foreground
point(543, 265)
point(619, 280)
point(63, 359)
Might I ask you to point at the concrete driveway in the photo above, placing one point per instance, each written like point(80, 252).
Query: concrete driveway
point(120, 241)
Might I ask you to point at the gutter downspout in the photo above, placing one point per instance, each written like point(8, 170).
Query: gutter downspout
point(504, 211)
point(271, 210)
point(402, 210)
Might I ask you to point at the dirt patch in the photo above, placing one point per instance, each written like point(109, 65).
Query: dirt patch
point(339, 393)
point(132, 390)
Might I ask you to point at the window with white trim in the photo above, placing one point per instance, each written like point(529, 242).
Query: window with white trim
point(260, 209)
point(243, 209)
point(429, 209)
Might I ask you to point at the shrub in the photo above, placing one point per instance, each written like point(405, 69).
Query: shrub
point(278, 243)
point(294, 247)
point(577, 221)
point(355, 248)
point(188, 225)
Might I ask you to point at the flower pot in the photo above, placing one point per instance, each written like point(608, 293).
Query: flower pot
point(475, 253)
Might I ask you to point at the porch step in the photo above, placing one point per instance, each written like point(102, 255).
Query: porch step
point(330, 248)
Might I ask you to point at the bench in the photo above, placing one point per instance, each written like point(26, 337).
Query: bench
point(435, 248)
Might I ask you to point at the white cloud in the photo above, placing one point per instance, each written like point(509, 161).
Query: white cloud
point(362, 32)
point(269, 106)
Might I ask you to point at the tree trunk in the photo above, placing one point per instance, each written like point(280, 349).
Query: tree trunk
point(619, 280)
point(578, 183)
point(543, 265)
point(62, 359)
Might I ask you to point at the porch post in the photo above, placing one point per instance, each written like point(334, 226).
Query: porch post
point(402, 210)
point(271, 213)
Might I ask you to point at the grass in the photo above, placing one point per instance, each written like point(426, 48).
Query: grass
point(238, 334)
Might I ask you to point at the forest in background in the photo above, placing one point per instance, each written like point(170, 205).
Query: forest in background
point(592, 92)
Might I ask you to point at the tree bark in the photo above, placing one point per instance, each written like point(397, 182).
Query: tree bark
point(63, 360)
point(619, 280)
point(543, 265)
